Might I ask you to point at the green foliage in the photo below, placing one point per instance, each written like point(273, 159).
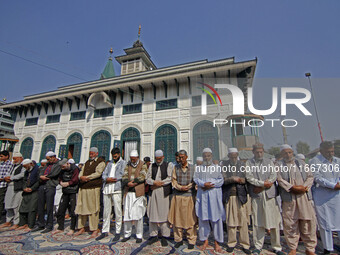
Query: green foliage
point(274, 151)
point(302, 147)
point(337, 148)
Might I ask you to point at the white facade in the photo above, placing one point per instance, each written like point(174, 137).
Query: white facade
point(146, 88)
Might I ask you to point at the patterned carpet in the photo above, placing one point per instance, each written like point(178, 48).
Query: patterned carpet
point(23, 242)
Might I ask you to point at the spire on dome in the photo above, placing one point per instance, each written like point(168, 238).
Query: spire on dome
point(109, 71)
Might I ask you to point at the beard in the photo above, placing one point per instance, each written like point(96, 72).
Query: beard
point(208, 163)
point(288, 160)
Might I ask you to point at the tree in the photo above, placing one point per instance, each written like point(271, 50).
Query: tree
point(302, 147)
point(274, 151)
point(337, 148)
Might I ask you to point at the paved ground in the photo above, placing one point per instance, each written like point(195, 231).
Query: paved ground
point(22, 242)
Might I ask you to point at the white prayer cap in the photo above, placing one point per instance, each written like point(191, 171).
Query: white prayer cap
point(134, 153)
point(300, 156)
point(207, 150)
point(17, 155)
point(285, 146)
point(94, 149)
point(44, 161)
point(71, 161)
point(232, 150)
point(159, 153)
point(26, 162)
point(199, 159)
point(50, 154)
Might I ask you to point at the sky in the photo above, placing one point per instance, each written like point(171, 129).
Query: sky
point(48, 44)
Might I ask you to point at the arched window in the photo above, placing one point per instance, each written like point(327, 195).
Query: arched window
point(205, 135)
point(74, 143)
point(130, 141)
point(47, 145)
point(166, 140)
point(102, 140)
point(26, 148)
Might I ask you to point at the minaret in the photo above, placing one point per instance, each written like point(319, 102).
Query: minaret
point(109, 71)
point(137, 59)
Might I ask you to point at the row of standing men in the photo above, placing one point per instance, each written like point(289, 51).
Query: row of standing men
point(199, 195)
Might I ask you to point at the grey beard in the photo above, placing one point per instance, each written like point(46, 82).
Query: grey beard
point(207, 163)
point(288, 161)
point(134, 164)
point(233, 164)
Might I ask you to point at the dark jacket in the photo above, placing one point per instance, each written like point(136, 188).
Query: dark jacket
point(70, 176)
point(164, 174)
point(18, 180)
point(31, 179)
point(90, 168)
point(53, 175)
point(229, 184)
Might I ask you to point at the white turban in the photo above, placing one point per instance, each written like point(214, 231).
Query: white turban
point(26, 162)
point(285, 146)
point(17, 155)
point(44, 161)
point(71, 161)
point(207, 150)
point(159, 153)
point(94, 149)
point(199, 159)
point(50, 154)
point(300, 156)
point(134, 153)
point(232, 150)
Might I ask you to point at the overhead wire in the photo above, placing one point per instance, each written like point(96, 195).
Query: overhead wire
point(42, 65)
point(46, 57)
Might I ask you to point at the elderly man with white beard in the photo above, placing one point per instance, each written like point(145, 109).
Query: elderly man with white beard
point(235, 200)
point(29, 203)
point(88, 202)
point(261, 176)
point(209, 205)
point(159, 179)
point(295, 182)
point(14, 192)
point(133, 182)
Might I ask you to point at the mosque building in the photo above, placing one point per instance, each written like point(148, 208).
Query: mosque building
point(144, 108)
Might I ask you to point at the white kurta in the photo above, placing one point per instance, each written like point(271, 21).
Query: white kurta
point(109, 188)
point(134, 207)
point(58, 194)
point(12, 198)
point(326, 198)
